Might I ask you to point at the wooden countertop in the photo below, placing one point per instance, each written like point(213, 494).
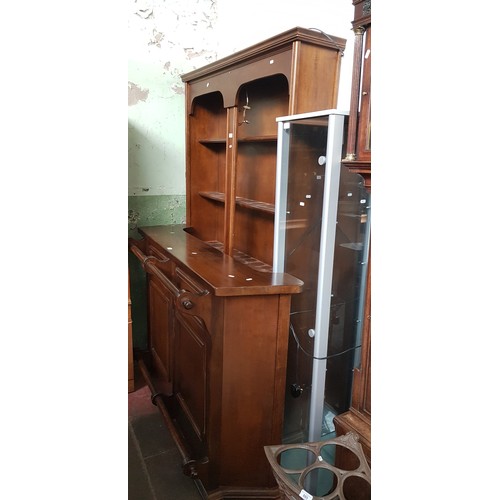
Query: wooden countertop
point(222, 274)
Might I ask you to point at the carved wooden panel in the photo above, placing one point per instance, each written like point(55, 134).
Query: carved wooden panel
point(160, 323)
point(192, 351)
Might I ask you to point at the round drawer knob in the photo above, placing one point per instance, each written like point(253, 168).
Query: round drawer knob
point(187, 304)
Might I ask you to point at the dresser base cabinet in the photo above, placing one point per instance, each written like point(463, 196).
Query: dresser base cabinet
point(217, 358)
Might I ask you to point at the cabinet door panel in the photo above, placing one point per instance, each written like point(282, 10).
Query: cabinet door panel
point(191, 372)
point(160, 326)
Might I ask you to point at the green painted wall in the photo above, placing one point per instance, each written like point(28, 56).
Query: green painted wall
point(148, 211)
point(156, 209)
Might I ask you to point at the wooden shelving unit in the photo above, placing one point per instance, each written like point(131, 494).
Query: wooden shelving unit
point(218, 315)
point(231, 132)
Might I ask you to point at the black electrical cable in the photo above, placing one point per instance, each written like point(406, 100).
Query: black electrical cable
point(312, 355)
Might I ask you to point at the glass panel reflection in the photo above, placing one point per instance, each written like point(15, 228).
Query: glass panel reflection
point(304, 157)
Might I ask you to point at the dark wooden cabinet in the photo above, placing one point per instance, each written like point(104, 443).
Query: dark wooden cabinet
point(218, 315)
point(218, 342)
point(358, 159)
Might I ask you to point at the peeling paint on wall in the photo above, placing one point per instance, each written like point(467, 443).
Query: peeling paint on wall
point(146, 13)
point(167, 38)
point(207, 55)
point(133, 218)
point(136, 94)
point(177, 88)
point(155, 210)
point(158, 37)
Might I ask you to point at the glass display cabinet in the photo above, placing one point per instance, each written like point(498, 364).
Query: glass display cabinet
point(321, 236)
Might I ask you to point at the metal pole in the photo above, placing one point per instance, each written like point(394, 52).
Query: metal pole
point(281, 197)
point(325, 273)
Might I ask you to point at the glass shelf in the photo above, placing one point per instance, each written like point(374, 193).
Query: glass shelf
point(256, 138)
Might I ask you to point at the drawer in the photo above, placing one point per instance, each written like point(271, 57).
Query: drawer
point(185, 280)
point(167, 265)
point(156, 251)
point(195, 300)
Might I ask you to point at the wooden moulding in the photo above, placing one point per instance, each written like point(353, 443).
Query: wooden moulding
point(352, 421)
point(229, 73)
point(362, 13)
point(278, 41)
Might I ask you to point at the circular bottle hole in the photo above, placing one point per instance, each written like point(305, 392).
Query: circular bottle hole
point(340, 456)
point(320, 482)
point(296, 458)
point(356, 488)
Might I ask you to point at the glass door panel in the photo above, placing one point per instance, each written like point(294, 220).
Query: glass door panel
point(321, 237)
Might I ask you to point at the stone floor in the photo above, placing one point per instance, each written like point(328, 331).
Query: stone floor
point(154, 463)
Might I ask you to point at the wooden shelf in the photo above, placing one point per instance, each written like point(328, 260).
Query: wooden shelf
point(259, 206)
point(212, 142)
point(213, 195)
point(259, 138)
